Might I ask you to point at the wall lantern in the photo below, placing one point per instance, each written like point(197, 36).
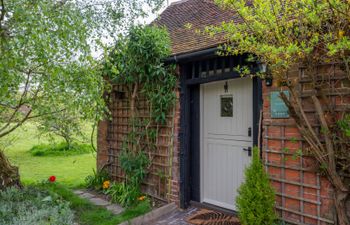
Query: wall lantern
point(268, 80)
point(264, 70)
point(262, 67)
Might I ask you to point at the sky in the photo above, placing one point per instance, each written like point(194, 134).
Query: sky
point(97, 53)
point(153, 16)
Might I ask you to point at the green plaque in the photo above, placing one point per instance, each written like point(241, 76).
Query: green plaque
point(278, 108)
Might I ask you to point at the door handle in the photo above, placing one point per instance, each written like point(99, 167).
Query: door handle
point(249, 150)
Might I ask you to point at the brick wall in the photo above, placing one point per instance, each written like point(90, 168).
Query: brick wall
point(303, 195)
point(162, 180)
point(102, 144)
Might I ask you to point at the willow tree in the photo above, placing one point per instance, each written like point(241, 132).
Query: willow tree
point(46, 63)
point(307, 33)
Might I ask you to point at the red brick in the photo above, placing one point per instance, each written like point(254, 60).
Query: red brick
point(310, 220)
point(292, 204)
point(274, 172)
point(292, 190)
point(292, 161)
point(292, 145)
point(310, 208)
point(310, 193)
point(274, 158)
point(276, 186)
point(274, 131)
point(292, 216)
point(274, 144)
point(292, 175)
point(310, 178)
point(292, 132)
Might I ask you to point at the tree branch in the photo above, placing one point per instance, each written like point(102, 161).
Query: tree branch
point(20, 103)
point(16, 126)
point(331, 168)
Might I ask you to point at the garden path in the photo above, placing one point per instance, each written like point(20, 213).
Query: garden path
point(177, 217)
point(97, 200)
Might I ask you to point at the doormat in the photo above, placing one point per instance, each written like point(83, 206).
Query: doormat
point(209, 217)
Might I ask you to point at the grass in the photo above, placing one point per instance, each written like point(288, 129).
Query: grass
point(89, 214)
point(60, 149)
point(69, 170)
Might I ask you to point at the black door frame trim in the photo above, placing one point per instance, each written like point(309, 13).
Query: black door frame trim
point(189, 135)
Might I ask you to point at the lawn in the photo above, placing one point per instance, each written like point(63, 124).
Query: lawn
point(69, 170)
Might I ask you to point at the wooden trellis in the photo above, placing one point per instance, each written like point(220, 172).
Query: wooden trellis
point(304, 196)
point(159, 174)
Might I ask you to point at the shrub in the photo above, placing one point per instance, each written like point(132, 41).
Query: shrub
point(33, 206)
point(60, 149)
point(96, 180)
point(256, 199)
point(124, 194)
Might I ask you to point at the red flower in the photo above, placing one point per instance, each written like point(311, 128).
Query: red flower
point(52, 179)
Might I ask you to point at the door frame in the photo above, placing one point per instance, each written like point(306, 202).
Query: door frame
point(202, 146)
point(189, 135)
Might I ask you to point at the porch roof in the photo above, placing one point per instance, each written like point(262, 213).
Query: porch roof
point(199, 14)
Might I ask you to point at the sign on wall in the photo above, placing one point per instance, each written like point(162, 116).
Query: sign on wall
point(278, 107)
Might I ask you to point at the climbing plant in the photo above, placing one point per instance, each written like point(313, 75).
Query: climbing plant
point(136, 63)
point(306, 33)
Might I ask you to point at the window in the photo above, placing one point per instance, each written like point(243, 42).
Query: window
point(226, 106)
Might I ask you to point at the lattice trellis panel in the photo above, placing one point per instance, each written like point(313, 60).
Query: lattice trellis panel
point(159, 177)
point(304, 196)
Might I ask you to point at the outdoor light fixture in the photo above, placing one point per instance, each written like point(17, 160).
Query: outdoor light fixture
point(264, 70)
point(268, 80)
point(262, 67)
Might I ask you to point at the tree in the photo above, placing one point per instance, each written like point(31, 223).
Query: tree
point(46, 48)
point(306, 33)
point(65, 124)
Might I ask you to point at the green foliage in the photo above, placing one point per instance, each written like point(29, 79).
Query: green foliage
point(256, 199)
point(134, 165)
point(46, 63)
point(285, 33)
point(136, 62)
point(137, 59)
point(344, 125)
point(95, 181)
point(60, 149)
point(33, 206)
point(65, 124)
point(124, 194)
point(89, 214)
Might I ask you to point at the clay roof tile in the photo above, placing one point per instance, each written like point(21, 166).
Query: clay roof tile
point(199, 14)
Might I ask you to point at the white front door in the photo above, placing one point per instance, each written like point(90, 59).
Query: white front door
point(226, 118)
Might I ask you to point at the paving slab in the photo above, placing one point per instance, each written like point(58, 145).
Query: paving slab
point(78, 192)
point(177, 217)
point(87, 195)
point(99, 201)
point(115, 209)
